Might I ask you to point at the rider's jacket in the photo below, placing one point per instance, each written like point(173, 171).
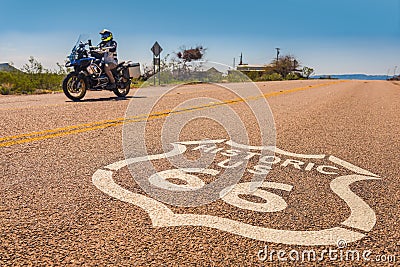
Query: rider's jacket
point(110, 56)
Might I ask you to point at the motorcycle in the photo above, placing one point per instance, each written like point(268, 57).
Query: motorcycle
point(88, 72)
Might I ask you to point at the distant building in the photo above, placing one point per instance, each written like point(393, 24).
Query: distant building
point(252, 71)
point(247, 67)
point(213, 70)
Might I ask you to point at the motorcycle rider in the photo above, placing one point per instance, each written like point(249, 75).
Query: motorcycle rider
point(109, 46)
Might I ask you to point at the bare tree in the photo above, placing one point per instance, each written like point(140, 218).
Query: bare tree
point(285, 65)
point(188, 55)
point(33, 67)
point(185, 56)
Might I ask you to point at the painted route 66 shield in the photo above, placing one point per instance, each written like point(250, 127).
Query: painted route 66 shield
point(259, 205)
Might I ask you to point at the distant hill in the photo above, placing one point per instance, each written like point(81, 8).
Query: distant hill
point(352, 77)
point(7, 67)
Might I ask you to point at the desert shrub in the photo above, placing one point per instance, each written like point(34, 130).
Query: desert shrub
point(34, 78)
point(270, 77)
point(236, 76)
point(292, 76)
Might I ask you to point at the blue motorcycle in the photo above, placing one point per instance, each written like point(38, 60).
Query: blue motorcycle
point(88, 72)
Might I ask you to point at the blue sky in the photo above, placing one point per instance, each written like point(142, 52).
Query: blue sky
point(353, 36)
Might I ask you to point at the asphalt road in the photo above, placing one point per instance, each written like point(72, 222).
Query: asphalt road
point(334, 177)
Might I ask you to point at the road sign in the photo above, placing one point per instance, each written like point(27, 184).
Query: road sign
point(156, 49)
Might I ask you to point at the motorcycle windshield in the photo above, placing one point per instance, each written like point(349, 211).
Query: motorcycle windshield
point(82, 39)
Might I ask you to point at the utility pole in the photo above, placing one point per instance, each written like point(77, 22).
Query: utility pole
point(277, 53)
point(234, 63)
point(241, 59)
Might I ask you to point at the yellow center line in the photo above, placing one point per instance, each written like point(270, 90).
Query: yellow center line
point(75, 129)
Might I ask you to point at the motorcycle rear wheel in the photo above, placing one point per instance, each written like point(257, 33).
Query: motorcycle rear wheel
point(74, 86)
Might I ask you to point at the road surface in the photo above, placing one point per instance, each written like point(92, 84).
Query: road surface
point(332, 194)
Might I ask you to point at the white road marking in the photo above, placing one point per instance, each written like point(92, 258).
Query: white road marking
point(177, 150)
point(274, 161)
point(322, 168)
point(200, 142)
point(351, 167)
point(224, 164)
point(192, 182)
point(362, 216)
point(274, 203)
point(162, 216)
point(275, 149)
point(309, 166)
point(295, 163)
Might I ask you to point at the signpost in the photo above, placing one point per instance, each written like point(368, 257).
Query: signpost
point(156, 49)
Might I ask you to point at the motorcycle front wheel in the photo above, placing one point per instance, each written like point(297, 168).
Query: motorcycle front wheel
point(74, 86)
point(122, 92)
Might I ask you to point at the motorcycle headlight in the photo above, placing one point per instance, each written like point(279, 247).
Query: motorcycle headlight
point(73, 57)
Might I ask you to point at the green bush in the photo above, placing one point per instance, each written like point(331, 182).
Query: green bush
point(23, 83)
point(236, 76)
point(292, 76)
point(34, 79)
point(270, 77)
